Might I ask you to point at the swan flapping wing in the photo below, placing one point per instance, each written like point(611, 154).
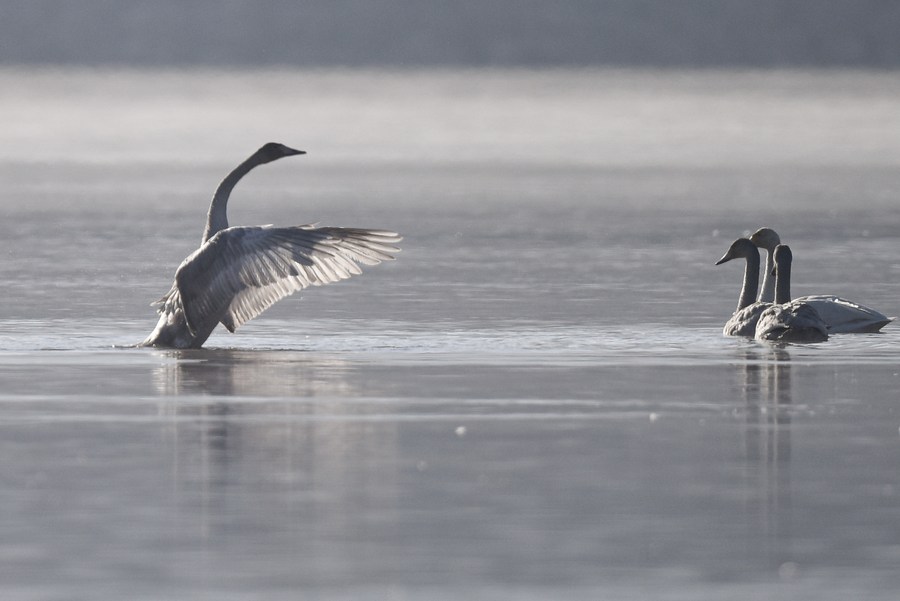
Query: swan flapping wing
point(241, 271)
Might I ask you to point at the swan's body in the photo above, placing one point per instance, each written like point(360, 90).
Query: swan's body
point(787, 320)
point(842, 316)
point(743, 321)
point(795, 321)
point(239, 272)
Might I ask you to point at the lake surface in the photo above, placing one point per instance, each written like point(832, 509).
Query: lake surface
point(534, 401)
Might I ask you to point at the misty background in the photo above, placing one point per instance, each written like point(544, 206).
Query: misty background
point(628, 33)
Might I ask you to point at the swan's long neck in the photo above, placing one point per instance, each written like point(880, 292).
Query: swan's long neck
point(783, 283)
point(217, 218)
point(767, 292)
point(751, 281)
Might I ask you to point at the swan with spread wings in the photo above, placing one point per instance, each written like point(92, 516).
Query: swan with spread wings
point(238, 272)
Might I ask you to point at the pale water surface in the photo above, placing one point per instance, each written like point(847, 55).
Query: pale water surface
point(534, 402)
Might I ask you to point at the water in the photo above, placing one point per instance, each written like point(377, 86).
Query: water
point(534, 401)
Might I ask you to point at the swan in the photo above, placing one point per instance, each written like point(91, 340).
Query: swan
point(743, 322)
point(842, 316)
point(767, 239)
point(787, 320)
point(238, 272)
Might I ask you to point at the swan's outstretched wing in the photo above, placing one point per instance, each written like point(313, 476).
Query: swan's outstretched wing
point(241, 271)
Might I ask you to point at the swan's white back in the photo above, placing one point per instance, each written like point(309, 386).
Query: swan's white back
point(846, 317)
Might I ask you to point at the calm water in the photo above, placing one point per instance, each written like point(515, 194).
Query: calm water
point(535, 401)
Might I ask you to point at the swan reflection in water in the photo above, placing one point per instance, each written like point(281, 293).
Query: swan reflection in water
point(765, 379)
point(251, 373)
point(290, 429)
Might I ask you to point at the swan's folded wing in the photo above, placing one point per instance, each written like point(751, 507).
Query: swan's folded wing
point(795, 321)
point(743, 322)
point(242, 271)
point(846, 316)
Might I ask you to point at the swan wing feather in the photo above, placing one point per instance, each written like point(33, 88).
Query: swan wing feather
point(743, 322)
point(845, 316)
point(242, 271)
point(795, 321)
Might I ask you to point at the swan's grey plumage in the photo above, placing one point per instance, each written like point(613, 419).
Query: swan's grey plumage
point(789, 320)
point(743, 321)
point(842, 316)
point(239, 272)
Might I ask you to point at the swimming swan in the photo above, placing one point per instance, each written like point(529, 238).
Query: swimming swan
point(841, 315)
point(239, 272)
point(767, 239)
point(743, 322)
point(787, 320)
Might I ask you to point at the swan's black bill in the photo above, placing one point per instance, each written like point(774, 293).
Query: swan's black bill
point(725, 258)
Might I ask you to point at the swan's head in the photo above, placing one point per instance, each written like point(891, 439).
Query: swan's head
point(783, 257)
point(740, 249)
point(766, 238)
point(274, 151)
